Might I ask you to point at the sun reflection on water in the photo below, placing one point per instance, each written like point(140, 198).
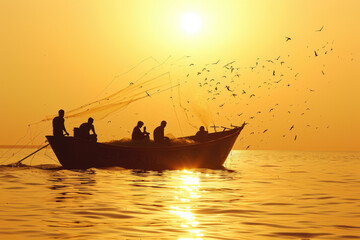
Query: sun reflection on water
point(187, 190)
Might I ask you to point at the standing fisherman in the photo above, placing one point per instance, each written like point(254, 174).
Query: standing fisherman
point(59, 125)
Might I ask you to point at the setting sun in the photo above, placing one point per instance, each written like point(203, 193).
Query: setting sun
point(191, 22)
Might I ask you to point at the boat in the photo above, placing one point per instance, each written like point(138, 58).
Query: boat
point(77, 153)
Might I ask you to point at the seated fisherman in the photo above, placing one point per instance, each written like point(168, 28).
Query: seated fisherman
point(138, 135)
point(201, 135)
point(59, 125)
point(84, 130)
point(159, 134)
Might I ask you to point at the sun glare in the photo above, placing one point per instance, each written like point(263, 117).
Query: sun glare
point(191, 22)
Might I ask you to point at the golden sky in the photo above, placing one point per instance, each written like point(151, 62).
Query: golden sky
point(63, 54)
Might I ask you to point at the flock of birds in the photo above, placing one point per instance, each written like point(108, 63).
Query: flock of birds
point(229, 84)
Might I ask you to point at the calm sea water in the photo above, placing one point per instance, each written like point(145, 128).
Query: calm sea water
point(264, 195)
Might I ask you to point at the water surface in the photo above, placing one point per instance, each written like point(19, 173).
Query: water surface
point(263, 195)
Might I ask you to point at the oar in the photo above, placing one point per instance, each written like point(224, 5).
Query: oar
point(18, 162)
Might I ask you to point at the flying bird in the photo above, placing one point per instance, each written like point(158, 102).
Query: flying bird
point(292, 127)
point(287, 38)
point(320, 29)
point(315, 53)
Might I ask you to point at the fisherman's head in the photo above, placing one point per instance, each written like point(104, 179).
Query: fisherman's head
point(202, 128)
point(140, 124)
point(61, 113)
point(163, 123)
point(90, 120)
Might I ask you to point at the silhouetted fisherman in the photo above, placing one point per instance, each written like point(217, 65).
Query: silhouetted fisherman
point(138, 135)
point(201, 135)
point(84, 130)
point(159, 133)
point(59, 125)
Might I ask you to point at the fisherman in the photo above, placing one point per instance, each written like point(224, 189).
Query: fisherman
point(59, 125)
point(138, 135)
point(84, 130)
point(201, 135)
point(159, 134)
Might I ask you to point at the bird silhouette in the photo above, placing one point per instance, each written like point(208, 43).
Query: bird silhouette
point(315, 53)
point(320, 29)
point(292, 127)
point(287, 38)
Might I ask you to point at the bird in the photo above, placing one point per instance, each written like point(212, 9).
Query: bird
point(315, 53)
point(292, 127)
point(147, 93)
point(243, 92)
point(271, 109)
point(295, 137)
point(252, 95)
point(216, 62)
point(320, 29)
point(287, 38)
point(273, 72)
point(248, 147)
point(228, 88)
point(322, 72)
point(265, 131)
point(191, 64)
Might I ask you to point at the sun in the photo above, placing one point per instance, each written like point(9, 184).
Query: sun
point(191, 22)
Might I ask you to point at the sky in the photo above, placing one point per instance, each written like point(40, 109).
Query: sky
point(298, 58)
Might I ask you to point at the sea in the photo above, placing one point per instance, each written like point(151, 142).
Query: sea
point(260, 195)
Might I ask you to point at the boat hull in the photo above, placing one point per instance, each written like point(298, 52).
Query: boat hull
point(75, 153)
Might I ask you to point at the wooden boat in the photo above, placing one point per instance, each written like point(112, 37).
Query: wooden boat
point(77, 153)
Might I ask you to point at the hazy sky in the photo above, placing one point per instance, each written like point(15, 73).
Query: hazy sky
point(63, 54)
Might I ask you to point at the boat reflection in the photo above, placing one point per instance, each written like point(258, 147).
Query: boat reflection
point(186, 192)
